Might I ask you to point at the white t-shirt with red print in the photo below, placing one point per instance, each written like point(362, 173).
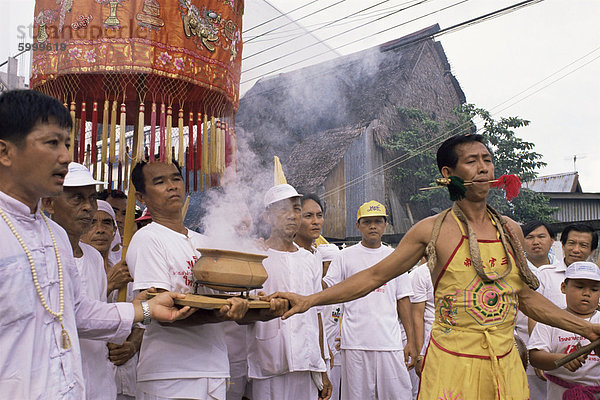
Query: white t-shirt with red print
point(555, 340)
point(371, 322)
point(162, 258)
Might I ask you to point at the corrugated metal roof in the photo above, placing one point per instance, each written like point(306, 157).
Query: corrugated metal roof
point(575, 210)
point(562, 183)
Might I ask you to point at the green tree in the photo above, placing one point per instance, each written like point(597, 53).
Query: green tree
point(420, 137)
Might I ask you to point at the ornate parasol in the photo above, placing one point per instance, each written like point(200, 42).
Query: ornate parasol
point(127, 68)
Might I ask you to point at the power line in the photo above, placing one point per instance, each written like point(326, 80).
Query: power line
point(452, 28)
point(294, 31)
point(334, 36)
point(295, 21)
point(314, 30)
point(443, 136)
point(279, 16)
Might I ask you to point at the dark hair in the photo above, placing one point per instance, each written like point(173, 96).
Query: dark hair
point(115, 194)
point(313, 197)
point(137, 174)
point(579, 228)
point(446, 154)
point(22, 110)
point(530, 226)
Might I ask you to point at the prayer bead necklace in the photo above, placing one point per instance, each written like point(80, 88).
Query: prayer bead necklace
point(66, 341)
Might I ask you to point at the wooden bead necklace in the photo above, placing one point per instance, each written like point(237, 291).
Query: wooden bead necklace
point(66, 341)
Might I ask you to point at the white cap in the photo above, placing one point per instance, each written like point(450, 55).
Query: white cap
point(328, 251)
point(79, 175)
point(583, 270)
point(107, 208)
point(280, 192)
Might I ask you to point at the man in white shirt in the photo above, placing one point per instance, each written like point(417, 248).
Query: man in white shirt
point(423, 312)
point(44, 311)
point(539, 238)
point(284, 357)
point(73, 210)
point(123, 356)
point(187, 359)
point(374, 362)
point(578, 242)
point(332, 319)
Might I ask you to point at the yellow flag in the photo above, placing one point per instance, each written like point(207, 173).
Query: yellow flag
point(279, 176)
point(320, 240)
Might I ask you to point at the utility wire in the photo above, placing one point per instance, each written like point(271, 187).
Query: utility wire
point(295, 21)
point(443, 136)
point(452, 28)
point(279, 16)
point(295, 31)
point(334, 36)
point(314, 30)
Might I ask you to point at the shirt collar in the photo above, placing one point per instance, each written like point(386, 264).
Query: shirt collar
point(17, 208)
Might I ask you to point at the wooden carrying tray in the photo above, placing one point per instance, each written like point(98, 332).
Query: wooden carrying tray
point(216, 302)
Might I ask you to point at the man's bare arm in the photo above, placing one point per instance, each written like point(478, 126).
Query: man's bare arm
point(406, 255)
point(418, 318)
point(539, 308)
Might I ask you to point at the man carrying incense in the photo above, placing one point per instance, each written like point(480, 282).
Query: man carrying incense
point(478, 286)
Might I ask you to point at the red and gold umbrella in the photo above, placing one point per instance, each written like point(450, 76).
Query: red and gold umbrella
point(142, 63)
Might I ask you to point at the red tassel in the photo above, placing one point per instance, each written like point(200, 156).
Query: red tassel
point(81, 157)
point(228, 150)
point(511, 185)
point(94, 148)
point(162, 151)
point(187, 170)
point(189, 165)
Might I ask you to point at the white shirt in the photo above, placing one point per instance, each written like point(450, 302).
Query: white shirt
point(33, 364)
point(126, 375)
point(551, 276)
point(371, 322)
point(555, 340)
point(278, 346)
point(423, 292)
point(160, 257)
point(98, 371)
point(332, 319)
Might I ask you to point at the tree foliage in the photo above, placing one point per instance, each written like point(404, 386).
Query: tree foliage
point(421, 136)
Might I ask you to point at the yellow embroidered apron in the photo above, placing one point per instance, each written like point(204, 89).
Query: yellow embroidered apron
point(472, 354)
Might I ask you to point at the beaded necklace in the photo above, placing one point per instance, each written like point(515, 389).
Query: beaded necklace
point(66, 341)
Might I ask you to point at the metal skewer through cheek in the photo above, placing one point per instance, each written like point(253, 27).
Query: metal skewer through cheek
point(443, 182)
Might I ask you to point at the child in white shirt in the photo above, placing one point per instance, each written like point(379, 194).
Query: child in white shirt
point(580, 377)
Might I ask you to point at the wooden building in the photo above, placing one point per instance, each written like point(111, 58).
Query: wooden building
point(329, 124)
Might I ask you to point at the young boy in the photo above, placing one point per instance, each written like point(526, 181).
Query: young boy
point(547, 344)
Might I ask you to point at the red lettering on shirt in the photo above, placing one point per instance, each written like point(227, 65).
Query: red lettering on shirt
point(187, 273)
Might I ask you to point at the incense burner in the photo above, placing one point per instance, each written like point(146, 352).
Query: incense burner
point(230, 271)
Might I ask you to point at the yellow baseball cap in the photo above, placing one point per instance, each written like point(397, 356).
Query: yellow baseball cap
point(371, 209)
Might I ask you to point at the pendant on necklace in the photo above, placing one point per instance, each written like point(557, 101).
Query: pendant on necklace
point(66, 341)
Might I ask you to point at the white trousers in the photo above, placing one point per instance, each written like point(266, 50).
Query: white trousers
point(335, 376)
point(537, 387)
point(197, 389)
point(379, 375)
point(290, 386)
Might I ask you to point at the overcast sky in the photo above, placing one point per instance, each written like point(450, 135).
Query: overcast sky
point(493, 61)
